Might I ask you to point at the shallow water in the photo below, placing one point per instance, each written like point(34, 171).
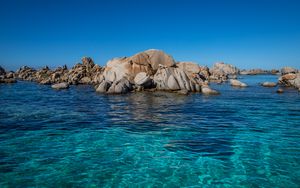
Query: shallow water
point(77, 138)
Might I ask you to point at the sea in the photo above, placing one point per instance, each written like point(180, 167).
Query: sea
point(244, 137)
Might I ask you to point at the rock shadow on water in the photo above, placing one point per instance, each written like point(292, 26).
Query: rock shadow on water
point(144, 112)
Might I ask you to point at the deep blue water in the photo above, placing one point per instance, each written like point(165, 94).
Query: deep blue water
point(77, 138)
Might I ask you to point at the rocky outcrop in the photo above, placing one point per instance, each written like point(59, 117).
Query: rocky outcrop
point(237, 83)
point(269, 84)
point(26, 73)
point(6, 77)
point(290, 77)
point(86, 72)
point(290, 80)
point(222, 71)
point(43, 76)
point(82, 73)
point(63, 85)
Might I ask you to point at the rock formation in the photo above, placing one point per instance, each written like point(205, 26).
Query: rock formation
point(6, 77)
point(290, 77)
point(174, 78)
point(221, 71)
point(82, 73)
point(26, 73)
point(152, 69)
point(86, 72)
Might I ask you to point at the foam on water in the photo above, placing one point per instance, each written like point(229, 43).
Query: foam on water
point(77, 138)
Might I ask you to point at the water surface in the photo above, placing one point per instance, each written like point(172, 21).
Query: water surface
point(77, 138)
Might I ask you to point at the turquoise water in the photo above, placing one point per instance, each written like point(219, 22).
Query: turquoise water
point(77, 138)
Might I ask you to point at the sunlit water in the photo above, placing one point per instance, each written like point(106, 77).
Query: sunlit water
point(77, 138)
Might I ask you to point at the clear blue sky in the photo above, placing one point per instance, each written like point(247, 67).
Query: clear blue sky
point(248, 34)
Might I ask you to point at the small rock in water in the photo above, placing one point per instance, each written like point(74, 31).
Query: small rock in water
point(269, 84)
point(237, 83)
point(62, 85)
point(183, 92)
point(208, 91)
point(279, 90)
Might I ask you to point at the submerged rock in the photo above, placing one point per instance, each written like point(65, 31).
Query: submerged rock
point(62, 85)
point(237, 83)
point(269, 84)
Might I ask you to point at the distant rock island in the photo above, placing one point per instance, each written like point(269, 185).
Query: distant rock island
point(150, 70)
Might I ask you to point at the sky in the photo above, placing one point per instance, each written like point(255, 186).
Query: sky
point(246, 33)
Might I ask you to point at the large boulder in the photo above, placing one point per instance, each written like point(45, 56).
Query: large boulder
point(222, 71)
point(142, 79)
point(129, 67)
point(103, 87)
point(119, 68)
point(158, 57)
point(62, 85)
point(172, 78)
point(120, 87)
point(237, 83)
